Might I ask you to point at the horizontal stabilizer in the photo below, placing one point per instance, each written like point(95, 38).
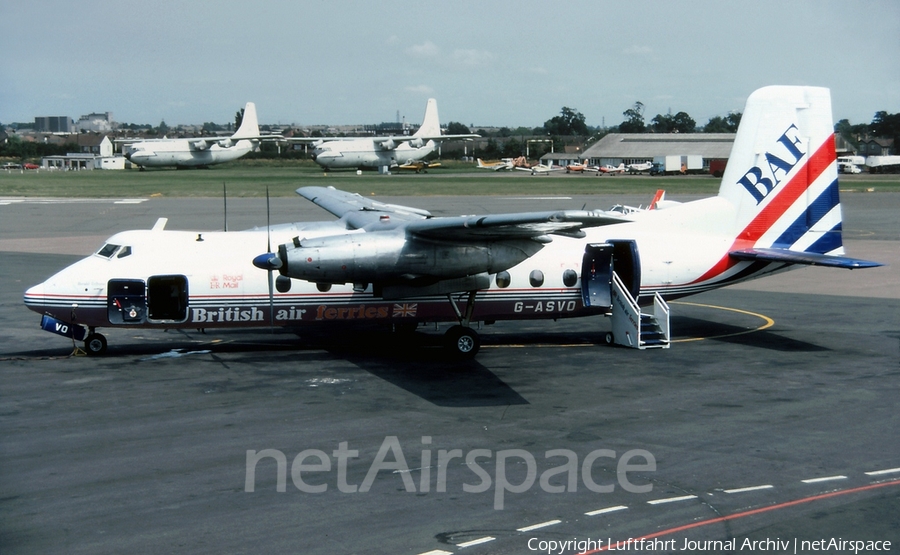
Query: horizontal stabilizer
point(808, 258)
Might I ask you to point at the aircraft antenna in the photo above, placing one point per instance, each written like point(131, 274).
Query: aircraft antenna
point(269, 250)
point(225, 202)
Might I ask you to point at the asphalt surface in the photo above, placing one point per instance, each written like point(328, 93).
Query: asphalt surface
point(786, 434)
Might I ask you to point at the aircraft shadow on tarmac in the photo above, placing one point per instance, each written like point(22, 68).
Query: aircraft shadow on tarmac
point(688, 327)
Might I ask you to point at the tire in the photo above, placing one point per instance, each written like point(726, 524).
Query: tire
point(608, 338)
point(462, 342)
point(95, 344)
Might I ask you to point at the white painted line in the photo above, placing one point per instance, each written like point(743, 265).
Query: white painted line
point(825, 479)
point(437, 552)
point(880, 472)
point(606, 510)
point(751, 488)
point(536, 526)
point(672, 499)
point(538, 198)
point(479, 541)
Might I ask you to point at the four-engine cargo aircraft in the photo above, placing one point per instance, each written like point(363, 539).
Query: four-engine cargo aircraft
point(378, 152)
point(777, 208)
point(197, 151)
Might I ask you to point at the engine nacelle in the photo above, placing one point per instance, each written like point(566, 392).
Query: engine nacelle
point(200, 145)
point(227, 143)
point(389, 144)
point(416, 143)
point(390, 257)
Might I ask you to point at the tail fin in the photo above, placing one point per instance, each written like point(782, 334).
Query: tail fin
point(782, 179)
point(431, 124)
point(249, 124)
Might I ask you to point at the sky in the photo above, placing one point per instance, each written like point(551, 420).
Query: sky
point(488, 63)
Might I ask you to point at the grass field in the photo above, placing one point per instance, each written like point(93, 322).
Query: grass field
point(250, 178)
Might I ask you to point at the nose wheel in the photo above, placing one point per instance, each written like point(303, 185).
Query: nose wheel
point(95, 344)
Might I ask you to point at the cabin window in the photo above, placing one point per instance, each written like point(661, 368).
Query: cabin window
point(570, 278)
point(536, 278)
point(502, 279)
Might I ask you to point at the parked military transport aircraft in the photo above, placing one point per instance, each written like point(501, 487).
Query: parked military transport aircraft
point(197, 151)
point(378, 152)
point(777, 208)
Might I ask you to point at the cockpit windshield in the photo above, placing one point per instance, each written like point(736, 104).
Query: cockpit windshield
point(109, 250)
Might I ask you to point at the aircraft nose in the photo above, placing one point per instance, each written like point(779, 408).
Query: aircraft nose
point(34, 297)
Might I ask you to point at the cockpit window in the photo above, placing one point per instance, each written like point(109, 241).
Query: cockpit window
point(108, 250)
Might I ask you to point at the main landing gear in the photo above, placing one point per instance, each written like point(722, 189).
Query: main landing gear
point(462, 341)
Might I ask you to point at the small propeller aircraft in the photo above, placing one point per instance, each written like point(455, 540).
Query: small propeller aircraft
point(612, 170)
point(639, 167)
point(197, 151)
point(777, 209)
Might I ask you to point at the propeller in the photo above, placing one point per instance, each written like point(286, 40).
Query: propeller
point(269, 261)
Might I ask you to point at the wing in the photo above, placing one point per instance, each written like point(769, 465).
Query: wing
point(522, 225)
point(358, 211)
point(396, 139)
point(363, 213)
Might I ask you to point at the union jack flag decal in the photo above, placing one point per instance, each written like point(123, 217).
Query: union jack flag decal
point(405, 310)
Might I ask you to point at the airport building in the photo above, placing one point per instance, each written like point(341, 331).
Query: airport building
point(95, 153)
point(633, 148)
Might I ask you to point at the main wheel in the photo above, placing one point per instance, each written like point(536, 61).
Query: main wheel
point(462, 342)
point(95, 344)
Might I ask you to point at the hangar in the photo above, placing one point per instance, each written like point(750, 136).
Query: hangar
point(632, 148)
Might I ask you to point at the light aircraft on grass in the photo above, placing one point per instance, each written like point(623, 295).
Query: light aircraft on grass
point(576, 167)
point(639, 167)
point(777, 209)
point(612, 170)
point(378, 152)
point(197, 151)
point(504, 164)
point(419, 166)
point(543, 169)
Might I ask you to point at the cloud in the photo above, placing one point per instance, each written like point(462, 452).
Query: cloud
point(420, 89)
point(636, 50)
point(425, 50)
point(472, 57)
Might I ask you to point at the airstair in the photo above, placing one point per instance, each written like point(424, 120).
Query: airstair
point(633, 328)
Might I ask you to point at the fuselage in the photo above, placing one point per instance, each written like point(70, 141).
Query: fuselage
point(170, 279)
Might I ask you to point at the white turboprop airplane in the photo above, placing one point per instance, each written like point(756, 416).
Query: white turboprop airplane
point(377, 152)
point(777, 209)
point(197, 151)
point(639, 167)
